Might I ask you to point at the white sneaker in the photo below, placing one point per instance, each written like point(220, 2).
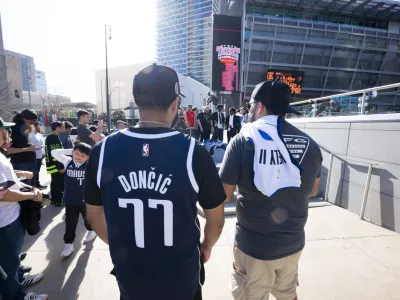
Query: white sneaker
point(33, 296)
point(31, 279)
point(90, 236)
point(68, 250)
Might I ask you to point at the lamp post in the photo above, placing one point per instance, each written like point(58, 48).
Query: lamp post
point(107, 35)
point(29, 89)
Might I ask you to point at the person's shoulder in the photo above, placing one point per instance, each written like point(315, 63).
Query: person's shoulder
point(293, 134)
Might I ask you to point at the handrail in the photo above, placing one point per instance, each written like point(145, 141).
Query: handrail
point(367, 183)
point(325, 98)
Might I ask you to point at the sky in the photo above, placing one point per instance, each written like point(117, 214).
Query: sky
point(66, 38)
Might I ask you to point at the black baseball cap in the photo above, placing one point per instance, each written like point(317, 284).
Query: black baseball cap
point(5, 124)
point(157, 81)
point(275, 95)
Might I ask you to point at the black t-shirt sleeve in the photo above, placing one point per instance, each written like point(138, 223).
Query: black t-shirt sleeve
point(92, 193)
point(211, 191)
point(231, 165)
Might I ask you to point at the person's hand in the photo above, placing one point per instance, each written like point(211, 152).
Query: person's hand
point(100, 124)
point(201, 129)
point(26, 174)
point(2, 193)
point(38, 195)
point(61, 171)
point(32, 148)
point(205, 253)
point(212, 129)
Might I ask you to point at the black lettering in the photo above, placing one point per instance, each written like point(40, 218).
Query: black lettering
point(272, 161)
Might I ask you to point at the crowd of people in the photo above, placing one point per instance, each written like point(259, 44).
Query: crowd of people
point(137, 190)
point(207, 126)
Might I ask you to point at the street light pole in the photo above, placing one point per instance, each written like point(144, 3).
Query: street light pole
point(29, 89)
point(107, 34)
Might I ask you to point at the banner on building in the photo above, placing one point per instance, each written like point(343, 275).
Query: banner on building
point(294, 79)
point(227, 37)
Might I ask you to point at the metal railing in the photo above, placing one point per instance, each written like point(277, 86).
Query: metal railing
point(364, 92)
point(367, 182)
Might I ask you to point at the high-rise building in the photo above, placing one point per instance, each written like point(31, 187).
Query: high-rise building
point(28, 70)
point(3, 74)
point(41, 85)
point(184, 37)
point(340, 45)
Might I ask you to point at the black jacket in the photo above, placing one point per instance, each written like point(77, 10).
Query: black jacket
point(30, 216)
point(236, 122)
point(53, 143)
point(214, 118)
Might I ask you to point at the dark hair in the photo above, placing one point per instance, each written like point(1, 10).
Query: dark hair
point(82, 113)
point(96, 122)
point(93, 128)
point(83, 147)
point(55, 125)
point(232, 109)
point(190, 106)
point(149, 101)
point(68, 124)
point(26, 114)
point(275, 113)
point(194, 108)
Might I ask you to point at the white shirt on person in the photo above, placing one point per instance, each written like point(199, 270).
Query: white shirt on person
point(231, 122)
point(220, 117)
point(38, 140)
point(9, 211)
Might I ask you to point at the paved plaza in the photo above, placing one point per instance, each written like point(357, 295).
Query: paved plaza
point(344, 258)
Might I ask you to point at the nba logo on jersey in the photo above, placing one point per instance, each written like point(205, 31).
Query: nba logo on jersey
point(145, 150)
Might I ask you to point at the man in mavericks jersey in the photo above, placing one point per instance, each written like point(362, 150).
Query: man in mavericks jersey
point(142, 185)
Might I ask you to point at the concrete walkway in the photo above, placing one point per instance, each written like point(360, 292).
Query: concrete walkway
point(344, 258)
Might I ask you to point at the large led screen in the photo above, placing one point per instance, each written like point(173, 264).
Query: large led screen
point(227, 37)
point(292, 78)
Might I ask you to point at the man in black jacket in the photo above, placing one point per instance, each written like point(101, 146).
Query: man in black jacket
point(55, 168)
point(232, 123)
point(218, 120)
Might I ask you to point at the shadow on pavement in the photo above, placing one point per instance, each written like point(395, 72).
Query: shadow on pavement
point(62, 276)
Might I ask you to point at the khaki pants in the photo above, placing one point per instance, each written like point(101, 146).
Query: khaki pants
point(254, 279)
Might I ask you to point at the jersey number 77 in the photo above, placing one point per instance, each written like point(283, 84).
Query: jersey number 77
point(138, 218)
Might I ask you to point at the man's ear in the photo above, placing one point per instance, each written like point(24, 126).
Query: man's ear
point(175, 104)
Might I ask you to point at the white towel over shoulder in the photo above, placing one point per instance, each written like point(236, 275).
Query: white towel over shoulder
point(273, 168)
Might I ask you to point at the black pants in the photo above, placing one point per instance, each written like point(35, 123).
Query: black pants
point(231, 134)
point(71, 220)
point(218, 134)
point(39, 165)
point(205, 135)
point(198, 295)
point(57, 187)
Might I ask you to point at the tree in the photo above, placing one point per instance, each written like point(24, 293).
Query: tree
point(103, 116)
point(9, 100)
point(56, 101)
point(118, 115)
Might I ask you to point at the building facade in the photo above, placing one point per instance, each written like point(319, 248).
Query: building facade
point(119, 85)
point(40, 80)
point(28, 70)
point(120, 88)
point(340, 45)
point(184, 37)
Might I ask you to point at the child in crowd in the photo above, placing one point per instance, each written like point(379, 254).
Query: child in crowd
point(73, 193)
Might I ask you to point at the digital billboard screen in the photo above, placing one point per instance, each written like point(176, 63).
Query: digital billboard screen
point(294, 79)
point(227, 37)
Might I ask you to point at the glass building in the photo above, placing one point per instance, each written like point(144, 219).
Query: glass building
point(341, 45)
point(41, 85)
point(28, 70)
point(184, 37)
